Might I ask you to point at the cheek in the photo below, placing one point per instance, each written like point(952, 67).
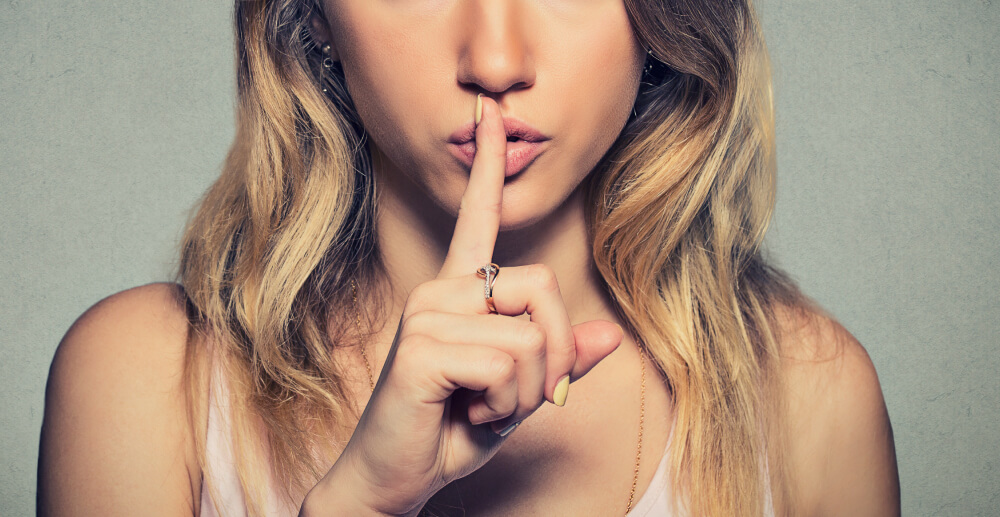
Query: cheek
point(602, 87)
point(389, 71)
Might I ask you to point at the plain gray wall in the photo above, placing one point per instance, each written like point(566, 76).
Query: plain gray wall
point(114, 117)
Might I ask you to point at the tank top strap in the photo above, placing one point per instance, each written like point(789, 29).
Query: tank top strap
point(224, 497)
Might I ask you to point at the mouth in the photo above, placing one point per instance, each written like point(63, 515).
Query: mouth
point(524, 144)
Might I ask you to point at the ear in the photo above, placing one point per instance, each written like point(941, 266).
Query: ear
point(320, 30)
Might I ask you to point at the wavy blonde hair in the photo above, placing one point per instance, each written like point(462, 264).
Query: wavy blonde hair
point(678, 210)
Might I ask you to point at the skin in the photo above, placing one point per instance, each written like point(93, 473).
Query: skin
point(115, 417)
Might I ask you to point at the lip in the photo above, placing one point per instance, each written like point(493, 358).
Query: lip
point(520, 153)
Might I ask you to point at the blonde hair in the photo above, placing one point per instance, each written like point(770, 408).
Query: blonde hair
point(678, 210)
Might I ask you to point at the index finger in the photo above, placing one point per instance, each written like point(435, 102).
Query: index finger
point(478, 219)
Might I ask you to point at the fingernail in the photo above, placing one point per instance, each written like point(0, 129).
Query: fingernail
point(506, 430)
point(479, 108)
point(562, 389)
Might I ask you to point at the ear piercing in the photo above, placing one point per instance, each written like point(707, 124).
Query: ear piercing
point(654, 71)
point(327, 63)
point(649, 64)
point(328, 60)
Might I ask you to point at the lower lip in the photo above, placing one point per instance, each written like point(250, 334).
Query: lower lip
point(520, 154)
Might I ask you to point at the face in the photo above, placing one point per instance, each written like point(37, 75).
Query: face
point(568, 68)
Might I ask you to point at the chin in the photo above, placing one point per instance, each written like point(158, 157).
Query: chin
point(525, 207)
point(529, 198)
point(515, 220)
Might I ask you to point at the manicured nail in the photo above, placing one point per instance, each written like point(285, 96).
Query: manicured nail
point(562, 389)
point(479, 108)
point(506, 430)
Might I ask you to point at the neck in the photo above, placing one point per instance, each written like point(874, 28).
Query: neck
point(414, 234)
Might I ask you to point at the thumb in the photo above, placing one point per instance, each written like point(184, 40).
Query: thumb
point(595, 340)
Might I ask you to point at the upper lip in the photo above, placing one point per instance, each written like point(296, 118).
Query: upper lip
point(511, 125)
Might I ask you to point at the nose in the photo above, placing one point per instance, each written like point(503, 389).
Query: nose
point(496, 54)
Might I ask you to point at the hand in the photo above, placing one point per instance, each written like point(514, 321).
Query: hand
point(420, 431)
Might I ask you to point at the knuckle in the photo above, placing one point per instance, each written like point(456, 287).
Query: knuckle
point(501, 367)
point(419, 322)
point(533, 339)
point(411, 352)
point(500, 408)
point(485, 203)
point(507, 407)
point(479, 202)
point(419, 298)
point(542, 276)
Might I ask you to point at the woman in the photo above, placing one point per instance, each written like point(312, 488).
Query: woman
point(342, 341)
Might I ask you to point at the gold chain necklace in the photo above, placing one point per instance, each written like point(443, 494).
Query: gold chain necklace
point(357, 317)
point(642, 394)
point(642, 415)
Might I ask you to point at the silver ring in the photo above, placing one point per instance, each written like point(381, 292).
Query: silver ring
point(507, 430)
point(489, 272)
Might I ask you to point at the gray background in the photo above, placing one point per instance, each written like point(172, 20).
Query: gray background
point(115, 116)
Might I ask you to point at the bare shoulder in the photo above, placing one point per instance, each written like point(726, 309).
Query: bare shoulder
point(140, 333)
point(841, 453)
point(116, 435)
